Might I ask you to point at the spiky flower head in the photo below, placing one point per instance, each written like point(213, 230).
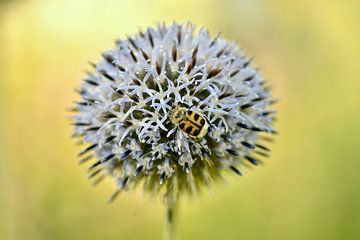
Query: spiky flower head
point(128, 99)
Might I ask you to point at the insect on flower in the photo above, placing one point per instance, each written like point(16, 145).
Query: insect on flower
point(194, 124)
point(171, 109)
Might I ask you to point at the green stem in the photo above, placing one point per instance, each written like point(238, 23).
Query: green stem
point(171, 220)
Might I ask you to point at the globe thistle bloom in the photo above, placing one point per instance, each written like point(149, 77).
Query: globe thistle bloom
point(131, 98)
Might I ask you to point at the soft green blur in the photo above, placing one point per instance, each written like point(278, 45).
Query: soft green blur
point(308, 51)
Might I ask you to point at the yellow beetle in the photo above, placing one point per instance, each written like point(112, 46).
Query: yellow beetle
point(190, 122)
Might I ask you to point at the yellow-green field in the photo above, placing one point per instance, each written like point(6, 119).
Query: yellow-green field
point(309, 51)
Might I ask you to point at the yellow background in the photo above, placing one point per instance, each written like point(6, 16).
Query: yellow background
point(309, 189)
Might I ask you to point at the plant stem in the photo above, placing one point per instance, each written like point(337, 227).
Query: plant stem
point(171, 220)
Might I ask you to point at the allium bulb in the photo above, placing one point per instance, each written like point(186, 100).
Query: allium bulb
point(171, 109)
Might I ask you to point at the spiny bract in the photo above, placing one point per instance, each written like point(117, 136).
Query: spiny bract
point(126, 101)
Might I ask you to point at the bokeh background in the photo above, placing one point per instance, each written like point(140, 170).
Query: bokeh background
point(309, 189)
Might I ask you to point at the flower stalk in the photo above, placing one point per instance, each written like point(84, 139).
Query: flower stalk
point(170, 232)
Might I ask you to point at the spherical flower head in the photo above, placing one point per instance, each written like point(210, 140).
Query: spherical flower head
point(171, 109)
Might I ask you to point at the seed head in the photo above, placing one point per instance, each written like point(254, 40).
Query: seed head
point(129, 101)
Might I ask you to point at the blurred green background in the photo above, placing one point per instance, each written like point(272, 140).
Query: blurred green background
point(309, 189)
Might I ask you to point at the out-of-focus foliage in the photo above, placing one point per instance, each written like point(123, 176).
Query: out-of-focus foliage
point(308, 50)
